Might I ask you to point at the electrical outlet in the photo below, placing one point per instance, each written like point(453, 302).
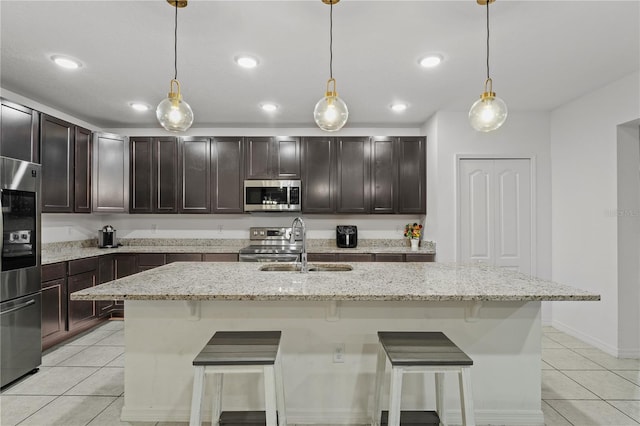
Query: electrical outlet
point(338, 353)
point(220, 227)
point(154, 228)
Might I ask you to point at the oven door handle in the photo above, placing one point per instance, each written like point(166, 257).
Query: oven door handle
point(18, 307)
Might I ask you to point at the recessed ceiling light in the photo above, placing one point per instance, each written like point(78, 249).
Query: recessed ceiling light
point(269, 107)
point(66, 62)
point(140, 106)
point(399, 107)
point(246, 61)
point(430, 61)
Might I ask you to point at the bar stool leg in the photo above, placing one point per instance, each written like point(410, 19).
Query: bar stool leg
point(440, 398)
point(196, 398)
point(282, 417)
point(395, 397)
point(466, 400)
point(377, 394)
point(270, 395)
point(216, 401)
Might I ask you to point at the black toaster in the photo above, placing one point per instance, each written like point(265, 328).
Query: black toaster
point(347, 236)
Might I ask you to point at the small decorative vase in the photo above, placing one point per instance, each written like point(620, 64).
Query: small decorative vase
point(414, 244)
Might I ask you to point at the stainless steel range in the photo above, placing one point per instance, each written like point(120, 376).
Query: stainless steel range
point(272, 245)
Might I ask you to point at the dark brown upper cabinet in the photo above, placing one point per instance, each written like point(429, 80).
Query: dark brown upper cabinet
point(57, 147)
point(384, 175)
point(82, 171)
point(195, 175)
point(154, 175)
point(318, 174)
point(412, 176)
point(353, 189)
point(272, 158)
point(110, 173)
point(227, 174)
point(19, 136)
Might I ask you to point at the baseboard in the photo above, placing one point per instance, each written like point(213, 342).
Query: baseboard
point(633, 353)
point(454, 417)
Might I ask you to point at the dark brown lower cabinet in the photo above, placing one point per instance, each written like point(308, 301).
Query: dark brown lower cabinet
point(54, 303)
point(371, 257)
point(105, 274)
point(81, 310)
point(148, 261)
point(124, 265)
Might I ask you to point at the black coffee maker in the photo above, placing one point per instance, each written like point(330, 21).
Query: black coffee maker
point(107, 237)
point(347, 236)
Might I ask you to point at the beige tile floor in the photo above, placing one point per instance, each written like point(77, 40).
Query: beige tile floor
point(82, 383)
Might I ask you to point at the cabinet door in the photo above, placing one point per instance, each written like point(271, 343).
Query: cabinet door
point(19, 132)
point(318, 175)
point(184, 257)
point(259, 153)
point(286, 162)
point(227, 175)
point(389, 257)
point(412, 176)
point(57, 165)
point(353, 181)
point(106, 273)
point(195, 175)
point(384, 175)
point(82, 174)
point(420, 257)
point(81, 310)
point(54, 308)
point(110, 173)
point(321, 257)
point(165, 175)
point(141, 180)
point(354, 257)
point(125, 265)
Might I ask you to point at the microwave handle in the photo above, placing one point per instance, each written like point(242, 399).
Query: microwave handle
point(289, 197)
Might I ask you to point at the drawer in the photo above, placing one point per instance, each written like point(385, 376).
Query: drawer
point(389, 257)
point(151, 259)
point(354, 257)
point(184, 257)
point(321, 257)
point(220, 257)
point(420, 257)
point(83, 265)
point(53, 271)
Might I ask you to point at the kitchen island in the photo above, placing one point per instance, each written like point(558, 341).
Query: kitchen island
point(492, 314)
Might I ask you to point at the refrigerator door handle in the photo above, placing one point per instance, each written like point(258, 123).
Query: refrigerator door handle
point(18, 307)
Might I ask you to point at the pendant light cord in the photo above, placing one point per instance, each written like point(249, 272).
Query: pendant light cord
point(331, 40)
point(175, 44)
point(488, 39)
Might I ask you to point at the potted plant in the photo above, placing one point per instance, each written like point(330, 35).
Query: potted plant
point(413, 231)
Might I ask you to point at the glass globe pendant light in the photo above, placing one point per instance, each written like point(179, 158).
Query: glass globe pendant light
point(173, 113)
point(489, 112)
point(331, 113)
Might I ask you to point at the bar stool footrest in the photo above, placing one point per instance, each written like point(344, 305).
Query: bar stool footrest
point(243, 418)
point(424, 418)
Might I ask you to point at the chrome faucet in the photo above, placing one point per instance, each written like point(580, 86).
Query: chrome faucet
point(292, 239)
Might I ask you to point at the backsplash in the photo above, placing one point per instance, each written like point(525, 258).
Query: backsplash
point(168, 242)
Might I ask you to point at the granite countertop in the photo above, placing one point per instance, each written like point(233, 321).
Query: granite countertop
point(61, 252)
point(366, 282)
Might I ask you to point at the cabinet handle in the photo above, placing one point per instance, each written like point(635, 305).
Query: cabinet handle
point(20, 306)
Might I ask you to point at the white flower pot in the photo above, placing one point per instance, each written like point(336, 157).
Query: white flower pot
point(414, 245)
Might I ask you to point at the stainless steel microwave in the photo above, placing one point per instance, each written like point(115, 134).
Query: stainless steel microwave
point(272, 196)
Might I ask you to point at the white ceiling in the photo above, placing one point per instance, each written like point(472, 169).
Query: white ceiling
point(543, 54)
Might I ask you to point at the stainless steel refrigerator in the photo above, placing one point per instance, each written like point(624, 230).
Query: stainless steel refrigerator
point(20, 296)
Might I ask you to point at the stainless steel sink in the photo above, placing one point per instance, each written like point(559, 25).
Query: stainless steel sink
point(290, 267)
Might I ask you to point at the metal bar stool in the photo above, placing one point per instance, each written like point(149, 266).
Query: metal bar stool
point(231, 352)
point(421, 352)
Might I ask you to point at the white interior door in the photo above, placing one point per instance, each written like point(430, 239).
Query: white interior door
point(495, 212)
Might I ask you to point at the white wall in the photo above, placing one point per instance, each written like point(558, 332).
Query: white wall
point(524, 135)
point(584, 193)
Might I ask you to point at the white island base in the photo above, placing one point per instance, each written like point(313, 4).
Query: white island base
point(503, 338)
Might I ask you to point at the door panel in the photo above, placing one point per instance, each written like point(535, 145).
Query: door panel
point(495, 212)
